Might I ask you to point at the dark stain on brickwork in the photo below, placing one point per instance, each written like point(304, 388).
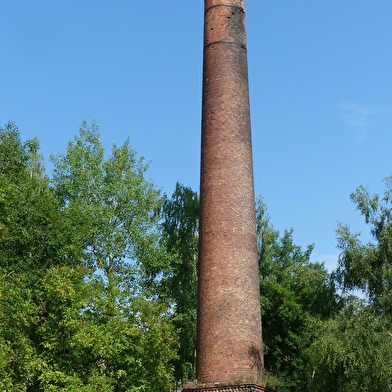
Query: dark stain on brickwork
point(256, 357)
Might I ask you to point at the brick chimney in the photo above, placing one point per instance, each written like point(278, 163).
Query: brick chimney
point(229, 354)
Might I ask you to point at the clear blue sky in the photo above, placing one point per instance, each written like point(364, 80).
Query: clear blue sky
point(320, 81)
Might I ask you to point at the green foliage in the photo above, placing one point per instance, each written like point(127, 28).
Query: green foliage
point(15, 156)
point(74, 256)
point(295, 295)
point(115, 211)
point(84, 347)
point(179, 281)
point(352, 352)
point(369, 267)
point(33, 232)
point(18, 314)
point(112, 204)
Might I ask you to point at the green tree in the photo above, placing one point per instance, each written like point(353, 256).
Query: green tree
point(113, 206)
point(180, 222)
point(295, 295)
point(74, 261)
point(18, 315)
point(33, 233)
point(33, 238)
point(368, 267)
point(352, 351)
point(116, 217)
point(83, 348)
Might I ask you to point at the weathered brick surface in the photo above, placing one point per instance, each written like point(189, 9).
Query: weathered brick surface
point(228, 388)
point(229, 322)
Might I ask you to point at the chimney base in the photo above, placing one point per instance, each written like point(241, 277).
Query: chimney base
point(232, 387)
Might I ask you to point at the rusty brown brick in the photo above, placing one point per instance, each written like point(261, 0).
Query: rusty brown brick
point(229, 343)
point(234, 387)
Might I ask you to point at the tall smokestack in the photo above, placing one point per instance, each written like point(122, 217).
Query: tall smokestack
point(229, 342)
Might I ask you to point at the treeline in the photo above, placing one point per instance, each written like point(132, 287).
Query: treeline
point(98, 281)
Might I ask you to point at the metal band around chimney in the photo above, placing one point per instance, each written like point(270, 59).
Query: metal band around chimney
point(226, 5)
point(225, 42)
